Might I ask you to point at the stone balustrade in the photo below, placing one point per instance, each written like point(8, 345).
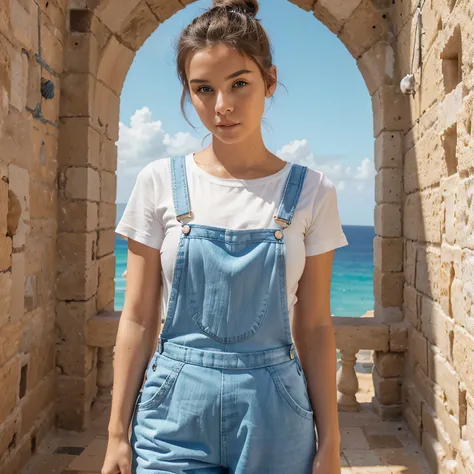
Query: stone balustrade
point(388, 341)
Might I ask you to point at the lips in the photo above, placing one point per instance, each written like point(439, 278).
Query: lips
point(227, 124)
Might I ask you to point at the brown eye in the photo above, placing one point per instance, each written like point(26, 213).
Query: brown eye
point(240, 84)
point(205, 89)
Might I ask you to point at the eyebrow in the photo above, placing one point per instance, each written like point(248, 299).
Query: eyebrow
point(235, 74)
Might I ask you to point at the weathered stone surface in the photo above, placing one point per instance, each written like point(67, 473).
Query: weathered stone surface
point(78, 216)
point(107, 214)
point(464, 212)
point(360, 333)
point(333, 14)
point(10, 430)
point(9, 380)
point(418, 348)
point(388, 150)
point(19, 197)
point(17, 307)
point(106, 242)
point(387, 390)
point(388, 254)
point(108, 187)
point(388, 288)
point(102, 329)
point(388, 186)
point(463, 355)
point(108, 155)
point(5, 253)
point(436, 326)
point(388, 220)
point(387, 105)
point(106, 289)
point(82, 183)
point(398, 337)
point(428, 263)
point(74, 284)
point(389, 364)
point(432, 425)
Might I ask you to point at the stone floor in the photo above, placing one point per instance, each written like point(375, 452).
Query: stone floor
point(368, 446)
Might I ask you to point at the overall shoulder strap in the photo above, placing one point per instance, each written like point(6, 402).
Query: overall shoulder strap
point(179, 185)
point(291, 195)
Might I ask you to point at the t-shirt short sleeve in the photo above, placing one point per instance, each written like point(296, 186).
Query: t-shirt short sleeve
point(139, 221)
point(325, 232)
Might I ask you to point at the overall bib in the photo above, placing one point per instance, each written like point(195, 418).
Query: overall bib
point(225, 392)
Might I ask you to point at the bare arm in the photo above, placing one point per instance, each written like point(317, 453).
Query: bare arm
point(137, 332)
point(314, 338)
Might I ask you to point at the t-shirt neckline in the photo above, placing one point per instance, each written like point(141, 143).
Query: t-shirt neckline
point(235, 182)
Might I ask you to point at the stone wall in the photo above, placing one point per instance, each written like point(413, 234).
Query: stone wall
point(438, 229)
point(31, 52)
point(58, 161)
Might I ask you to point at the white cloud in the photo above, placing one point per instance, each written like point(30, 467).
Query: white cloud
point(344, 177)
point(145, 140)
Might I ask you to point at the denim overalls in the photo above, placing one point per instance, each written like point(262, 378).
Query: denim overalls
point(225, 392)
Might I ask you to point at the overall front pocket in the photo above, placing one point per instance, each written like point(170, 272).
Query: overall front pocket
point(291, 385)
point(161, 377)
point(228, 287)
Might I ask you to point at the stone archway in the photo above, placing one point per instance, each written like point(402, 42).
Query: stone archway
point(100, 47)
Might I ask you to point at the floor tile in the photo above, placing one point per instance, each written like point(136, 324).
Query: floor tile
point(353, 438)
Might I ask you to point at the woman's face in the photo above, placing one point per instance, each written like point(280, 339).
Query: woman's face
point(228, 92)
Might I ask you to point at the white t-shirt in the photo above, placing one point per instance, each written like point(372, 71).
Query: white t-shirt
point(150, 218)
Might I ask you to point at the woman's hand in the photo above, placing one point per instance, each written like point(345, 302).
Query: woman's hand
point(118, 458)
point(327, 461)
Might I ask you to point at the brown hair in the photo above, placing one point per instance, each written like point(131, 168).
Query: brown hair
point(231, 22)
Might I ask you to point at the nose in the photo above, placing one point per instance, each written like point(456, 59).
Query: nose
point(224, 104)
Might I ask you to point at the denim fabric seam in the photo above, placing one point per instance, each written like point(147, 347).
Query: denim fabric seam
point(308, 414)
point(298, 193)
point(271, 239)
point(284, 296)
point(156, 399)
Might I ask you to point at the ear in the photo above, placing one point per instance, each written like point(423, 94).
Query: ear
point(272, 87)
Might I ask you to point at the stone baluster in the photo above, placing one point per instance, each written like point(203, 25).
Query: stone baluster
point(347, 382)
point(105, 374)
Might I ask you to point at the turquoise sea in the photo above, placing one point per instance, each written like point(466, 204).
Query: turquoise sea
point(352, 280)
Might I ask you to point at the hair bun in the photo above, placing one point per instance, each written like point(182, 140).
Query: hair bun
point(248, 6)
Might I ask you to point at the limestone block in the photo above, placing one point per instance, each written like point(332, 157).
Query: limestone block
point(19, 79)
point(450, 107)
point(377, 66)
point(398, 337)
point(413, 397)
point(164, 10)
point(418, 348)
point(443, 374)
point(3, 198)
point(77, 95)
point(138, 26)
point(457, 301)
point(102, 329)
point(388, 288)
point(5, 297)
point(388, 220)
point(36, 401)
point(427, 389)
point(82, 183)
point(388, 254)
point(463, 355)
point(9, 380)
point(387, 314)
point(19, 201)
point(410, 262)
point(389, 364)
point(432, 425)
point(17, 308)
point(424, 164)
point(108, 187)
point(428, 265)
point(467, 263)
point(108, 155)
point(333, 14)
point(77, 250)
point(24, 24)
point(51, 44)
point(414, 423)
point(106, 242)
point(360, 333)
point(388, 186)
point(9, 429)
point(43, 162)
point(464, 210)
point(43, 199)
point(432, 87)
point(387, 390)
point(105, 116)
point(5, 253)
point(468, 430)
point(73, 284)
point(106, 290)
point(387, 106)
point(78, 216)
point(115, 64)
point(32, 295)
point(364, 28)
point(81, 53)
point(37, 326)
point(449, 189)
point(402, 12)
point(107, 214)
point(388, 150)
point(74, 401)
point(78, 143)
point(436, 326)
point(405, 53)
point(410, 308)
point(114, 15)
point(430, 228)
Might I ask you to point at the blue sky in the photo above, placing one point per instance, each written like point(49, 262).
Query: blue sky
point(323, 119)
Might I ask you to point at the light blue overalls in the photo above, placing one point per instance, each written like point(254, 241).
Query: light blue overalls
point(225, 392)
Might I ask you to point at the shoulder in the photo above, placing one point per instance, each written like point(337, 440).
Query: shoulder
point(154, 169)
point(318, 183)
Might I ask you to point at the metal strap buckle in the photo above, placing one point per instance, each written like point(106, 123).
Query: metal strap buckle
point(282, 222)
point(184, 216)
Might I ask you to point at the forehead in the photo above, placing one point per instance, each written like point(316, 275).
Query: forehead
point(217, 62)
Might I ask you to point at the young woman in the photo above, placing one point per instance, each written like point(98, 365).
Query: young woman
point(237, 246)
